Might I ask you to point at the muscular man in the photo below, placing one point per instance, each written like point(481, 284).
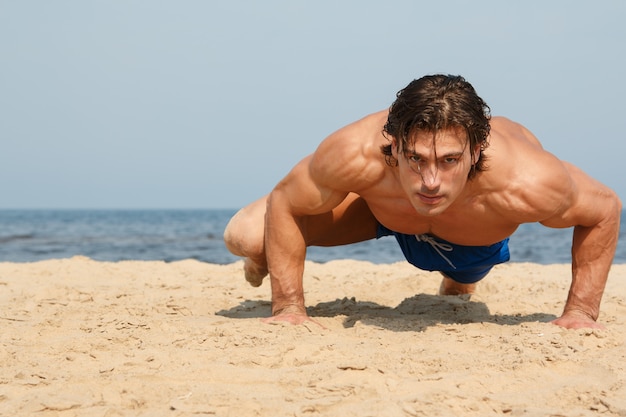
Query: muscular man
point(448, 181)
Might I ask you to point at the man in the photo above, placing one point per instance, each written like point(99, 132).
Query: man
point(450, 183)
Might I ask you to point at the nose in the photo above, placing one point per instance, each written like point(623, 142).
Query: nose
point(430, 176)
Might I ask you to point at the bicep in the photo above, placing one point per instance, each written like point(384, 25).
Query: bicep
point(301, 193)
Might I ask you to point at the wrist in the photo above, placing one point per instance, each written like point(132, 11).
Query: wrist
point(579, 312)
point(290, 308)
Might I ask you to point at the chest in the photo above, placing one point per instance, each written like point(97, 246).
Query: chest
point(472, 224)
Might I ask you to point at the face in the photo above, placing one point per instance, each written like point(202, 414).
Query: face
point(434, 171)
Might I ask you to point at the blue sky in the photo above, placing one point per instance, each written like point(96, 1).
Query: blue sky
point(207, 104)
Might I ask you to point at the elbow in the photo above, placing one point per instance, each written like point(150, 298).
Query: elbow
point(614, 210)
point(616, 204)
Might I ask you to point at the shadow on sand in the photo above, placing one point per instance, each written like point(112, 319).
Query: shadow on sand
point(413, 314)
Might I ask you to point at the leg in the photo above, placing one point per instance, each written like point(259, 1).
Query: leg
point(244, 235)
point(451, 287)
point(349, 222)
point(463, 281)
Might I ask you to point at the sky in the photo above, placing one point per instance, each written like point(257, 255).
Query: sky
point(207, 104)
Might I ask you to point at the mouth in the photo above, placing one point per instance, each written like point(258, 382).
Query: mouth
point(429, 199)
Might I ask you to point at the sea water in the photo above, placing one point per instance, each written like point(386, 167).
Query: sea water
point(170, 235)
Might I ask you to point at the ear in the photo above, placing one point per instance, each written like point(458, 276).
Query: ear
point(476, 153)
point(394, 148)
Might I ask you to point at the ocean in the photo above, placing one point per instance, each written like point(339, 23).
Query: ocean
point(171, 235)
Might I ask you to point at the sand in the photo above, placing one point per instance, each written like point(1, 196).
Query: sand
point(87, 338)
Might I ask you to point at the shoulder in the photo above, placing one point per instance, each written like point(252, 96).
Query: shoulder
point(357, 134)
point(532, 184)
point(526, 183)
point(350, 158)
point(503, 128)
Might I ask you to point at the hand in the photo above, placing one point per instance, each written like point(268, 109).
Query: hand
point(575, 319)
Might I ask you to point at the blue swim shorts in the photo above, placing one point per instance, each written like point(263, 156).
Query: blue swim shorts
point(464, 264)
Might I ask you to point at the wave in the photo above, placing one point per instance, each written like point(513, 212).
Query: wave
point(18, 237)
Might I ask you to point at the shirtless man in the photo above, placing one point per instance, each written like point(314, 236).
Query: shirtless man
point(448, 181)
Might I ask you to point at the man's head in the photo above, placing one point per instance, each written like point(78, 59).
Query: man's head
point(439, 128)
point(435, 103)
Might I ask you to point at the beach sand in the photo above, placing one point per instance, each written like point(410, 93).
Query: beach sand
point(87, 338)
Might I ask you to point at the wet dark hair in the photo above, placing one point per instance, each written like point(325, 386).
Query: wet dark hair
point(433, 103)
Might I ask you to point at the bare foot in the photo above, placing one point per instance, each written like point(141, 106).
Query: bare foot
point(254, 272)
point(451, 287)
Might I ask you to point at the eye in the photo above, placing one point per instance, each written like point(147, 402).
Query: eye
point(451, 159)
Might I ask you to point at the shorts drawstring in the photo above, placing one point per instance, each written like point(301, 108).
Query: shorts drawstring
point(437, 246)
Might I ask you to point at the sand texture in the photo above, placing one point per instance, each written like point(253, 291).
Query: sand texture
point(86, 338)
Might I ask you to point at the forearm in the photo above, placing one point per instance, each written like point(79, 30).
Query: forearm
point(286, 251)
point(593, 249)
